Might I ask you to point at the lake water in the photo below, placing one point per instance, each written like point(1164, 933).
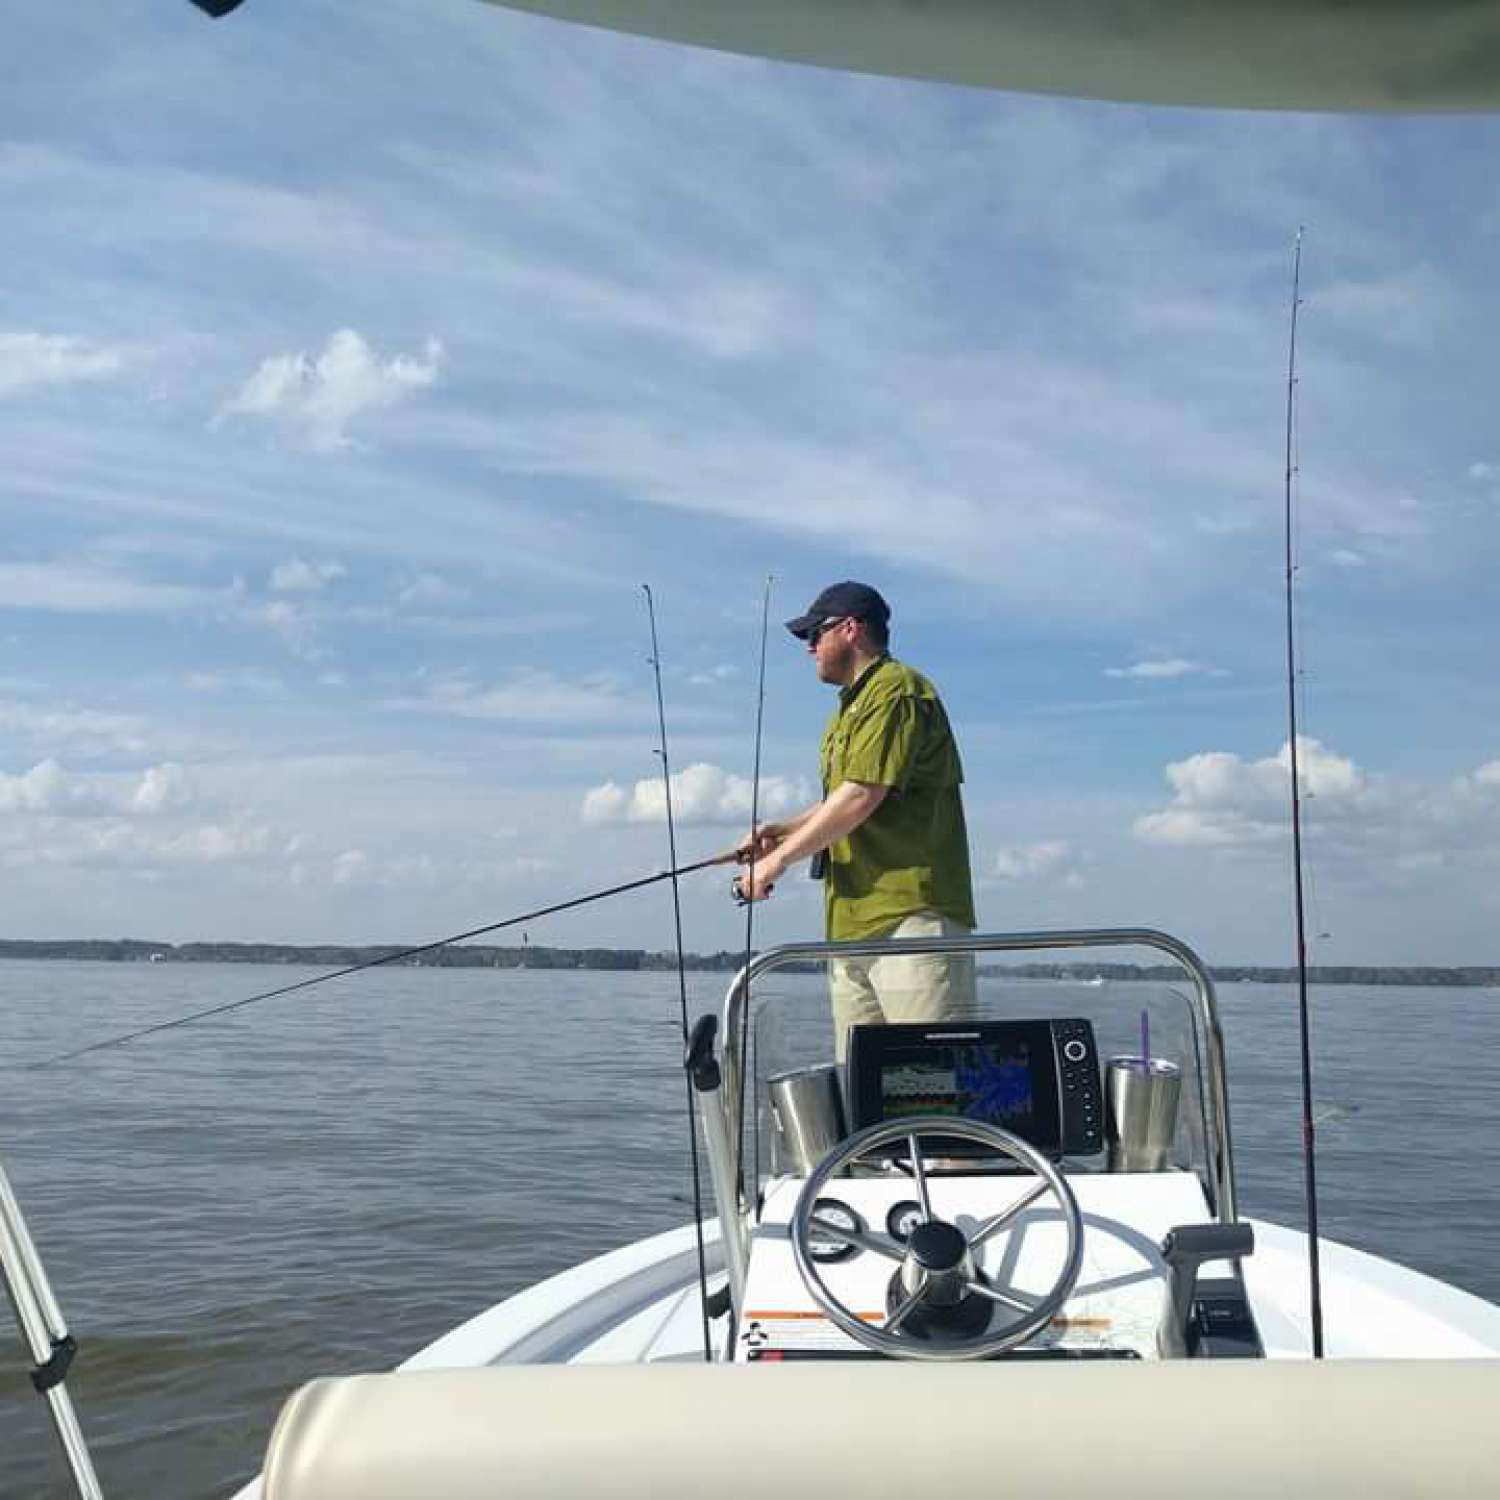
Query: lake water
point(326, 1182)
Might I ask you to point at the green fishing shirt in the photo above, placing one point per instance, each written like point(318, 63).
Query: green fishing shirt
point(912, 853)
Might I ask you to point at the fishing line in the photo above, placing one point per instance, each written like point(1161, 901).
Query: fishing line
point(666, 782)
point(1309, 1155)
point(747, 1077)
point(390, 958)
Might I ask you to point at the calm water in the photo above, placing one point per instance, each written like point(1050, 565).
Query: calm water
point(325, 1183)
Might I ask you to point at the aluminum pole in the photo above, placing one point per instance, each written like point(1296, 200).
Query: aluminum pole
point(44, 1333)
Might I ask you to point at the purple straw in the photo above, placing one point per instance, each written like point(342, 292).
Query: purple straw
point(1146, 1040)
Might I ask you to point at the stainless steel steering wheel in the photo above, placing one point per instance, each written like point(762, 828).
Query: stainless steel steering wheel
point(936, 1265)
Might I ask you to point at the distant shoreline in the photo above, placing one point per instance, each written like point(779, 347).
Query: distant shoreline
point(470, 956)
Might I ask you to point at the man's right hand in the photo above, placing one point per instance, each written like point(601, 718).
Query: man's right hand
point(764, 839)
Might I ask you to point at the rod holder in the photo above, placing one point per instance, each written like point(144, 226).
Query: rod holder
point(702, 1064)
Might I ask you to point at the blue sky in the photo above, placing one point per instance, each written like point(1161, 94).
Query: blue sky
point(358, 364)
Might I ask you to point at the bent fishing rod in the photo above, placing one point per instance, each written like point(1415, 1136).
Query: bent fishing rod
point(726, 857)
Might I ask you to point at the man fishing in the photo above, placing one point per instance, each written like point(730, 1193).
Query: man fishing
point(888, 838)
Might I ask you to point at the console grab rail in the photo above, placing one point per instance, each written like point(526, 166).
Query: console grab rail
point(1219, 1152)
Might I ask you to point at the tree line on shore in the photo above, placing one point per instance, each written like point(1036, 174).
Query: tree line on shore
point(529, 956)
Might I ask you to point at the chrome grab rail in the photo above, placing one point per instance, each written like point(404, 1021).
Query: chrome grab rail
point(42, 1328)
point(1219, 1148)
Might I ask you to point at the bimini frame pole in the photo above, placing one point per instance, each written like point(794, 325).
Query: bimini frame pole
point(46, 1335)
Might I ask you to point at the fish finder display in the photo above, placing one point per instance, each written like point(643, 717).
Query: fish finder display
point(988, 1083)
point(1038, 1079)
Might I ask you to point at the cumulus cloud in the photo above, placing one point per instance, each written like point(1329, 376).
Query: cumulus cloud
point(1164, 667)
point(51, 790)
point(48, 788)
point(1369, 826)
point(1049, 859)
point(298, 577)
point(1221, 799)
point(36, 359)
point(163, 789)
point(318, 397)
point(145, 821)
point(702, 793)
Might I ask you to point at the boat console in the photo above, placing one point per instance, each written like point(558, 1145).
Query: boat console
point(992, 1188)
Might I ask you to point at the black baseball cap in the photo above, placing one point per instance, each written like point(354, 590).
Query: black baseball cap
point(841, 601)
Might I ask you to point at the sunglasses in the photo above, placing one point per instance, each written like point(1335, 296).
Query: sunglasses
point(817, 633)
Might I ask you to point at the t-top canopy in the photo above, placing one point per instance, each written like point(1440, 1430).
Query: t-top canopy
point(1338, 55)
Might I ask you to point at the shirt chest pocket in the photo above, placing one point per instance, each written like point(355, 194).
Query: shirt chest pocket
point(835, 752)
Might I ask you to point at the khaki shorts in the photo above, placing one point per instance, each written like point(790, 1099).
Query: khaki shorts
point(906, 987)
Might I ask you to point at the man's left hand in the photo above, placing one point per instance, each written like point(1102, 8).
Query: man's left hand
point(758, 883)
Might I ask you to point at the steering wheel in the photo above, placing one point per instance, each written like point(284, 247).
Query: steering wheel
point(937, 1272)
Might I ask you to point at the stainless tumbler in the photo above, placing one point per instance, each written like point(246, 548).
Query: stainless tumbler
point(1140, 1116)
point(808, 1109)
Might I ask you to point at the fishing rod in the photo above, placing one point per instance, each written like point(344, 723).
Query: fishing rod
point(1309, 1154)
point(725, 858)
point(692, 1119)
point(760, 715)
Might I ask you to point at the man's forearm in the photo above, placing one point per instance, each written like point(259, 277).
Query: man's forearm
point(834, 818)
point(792, 825)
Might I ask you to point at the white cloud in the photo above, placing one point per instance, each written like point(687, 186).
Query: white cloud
point(319, 397)
point(148, 822)
point(34, 359)
point(529, 697)
point(609, 803)
point(70, 589)
point(294, 624)
point(1165, 667)
point(1408, 849)
point(1343, 557)
point(713, 676)
point(209, 843)
point(82, 726)
point(1483, 472)
point(1222, 800)
point(164, 789)
point(296, 576)
point(1049, 859)
point(701, 793)
point(430, 589)
point(49, 789)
